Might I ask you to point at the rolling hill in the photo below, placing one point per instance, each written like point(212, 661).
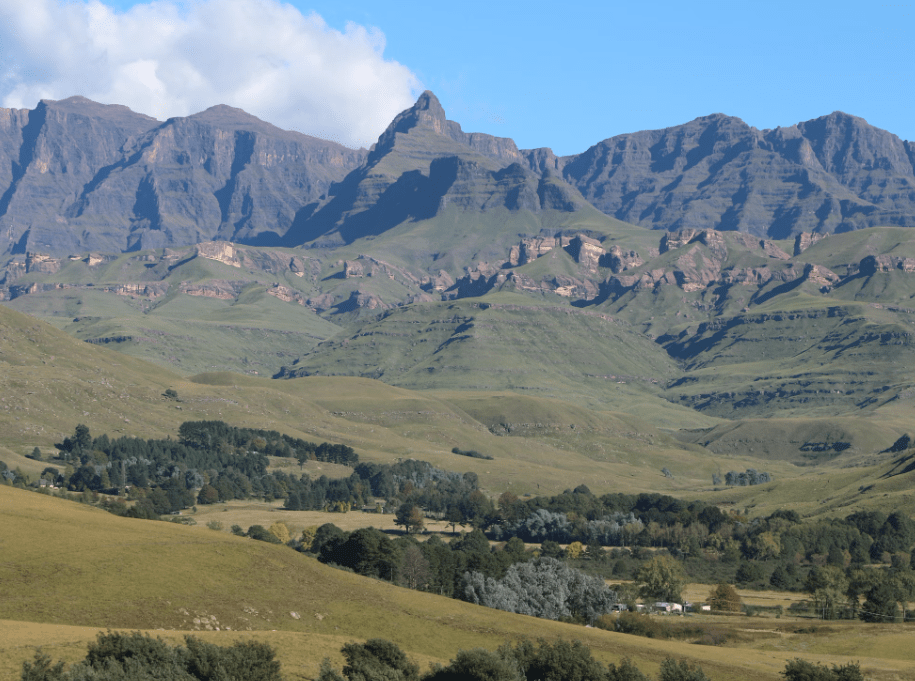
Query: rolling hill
point(93, 570)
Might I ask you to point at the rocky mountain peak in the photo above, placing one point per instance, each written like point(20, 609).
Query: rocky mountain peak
point(848, 146)
point(824, 169)
point(427, 117)
point(426, 113)
point(230, 118)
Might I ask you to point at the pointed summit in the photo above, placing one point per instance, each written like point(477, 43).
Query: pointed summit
point(426, 119)
point(428, 103)
point(426, 113)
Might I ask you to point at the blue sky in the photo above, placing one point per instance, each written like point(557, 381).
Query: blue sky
point(563, 75)
point(570, 74)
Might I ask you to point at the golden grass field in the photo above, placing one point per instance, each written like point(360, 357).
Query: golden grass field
point(696, 593)
point(247, 513)
point(69, 570)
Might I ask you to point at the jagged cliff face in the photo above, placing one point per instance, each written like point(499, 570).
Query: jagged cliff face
point(422, 164)
point(832, 174)
point(76, 175)
point(48, 159)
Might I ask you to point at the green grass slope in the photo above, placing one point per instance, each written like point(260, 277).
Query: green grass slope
point(189, 334)
point(541, 445)
point(454, 239)
point(809, 362)
point(582, 357)
point(49, 382)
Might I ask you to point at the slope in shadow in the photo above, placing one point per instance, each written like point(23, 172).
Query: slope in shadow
point(413, 196)
point(30, 134)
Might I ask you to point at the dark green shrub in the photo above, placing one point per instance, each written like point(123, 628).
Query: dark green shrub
point(261, 533)
point(640, 625)
point(682, 671)
point(477, 665)
point(377, 659)
point(801, 670)
point(139, 657)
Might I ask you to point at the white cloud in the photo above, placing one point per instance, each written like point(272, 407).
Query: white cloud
point(173, 58)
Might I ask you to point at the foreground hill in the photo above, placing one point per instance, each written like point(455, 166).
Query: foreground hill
point(99, 570)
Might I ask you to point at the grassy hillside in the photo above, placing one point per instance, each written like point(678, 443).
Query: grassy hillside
point(540, 445)
point(723, 324)
point(541, 350)
point(253, 333)
point(97, 571)
point(455, 238)
point(50, 382)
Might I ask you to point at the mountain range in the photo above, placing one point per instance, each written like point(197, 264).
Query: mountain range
point(77, 175)
point(701, 272)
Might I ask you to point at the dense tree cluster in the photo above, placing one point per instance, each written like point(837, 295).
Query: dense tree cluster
point(213, 462)
point(210, 462)
point(416, 483)
point(507, 578)
point(545, 587)
point(774, 546)
point(116, 656)
point(609, 520)
point(751, 476)
point(433, 565)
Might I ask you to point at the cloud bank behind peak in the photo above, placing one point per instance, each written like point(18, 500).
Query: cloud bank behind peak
point(171, 58)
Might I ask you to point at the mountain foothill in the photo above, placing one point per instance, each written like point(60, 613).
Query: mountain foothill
point(706, 271)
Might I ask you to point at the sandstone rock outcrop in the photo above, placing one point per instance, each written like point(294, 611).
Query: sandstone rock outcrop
point(885, 263)
point(805, 240)
point(821, 276)
point(220, 251)
point(151, 290)
point(533, 247)
point(587, 252)
point(352, 269)
point(215, 288)
point(709, 237)
point(42, 263)
point(619, 260)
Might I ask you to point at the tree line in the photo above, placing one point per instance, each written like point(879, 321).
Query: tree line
point(117, 656)
point(209, 462)
point(697, 529)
